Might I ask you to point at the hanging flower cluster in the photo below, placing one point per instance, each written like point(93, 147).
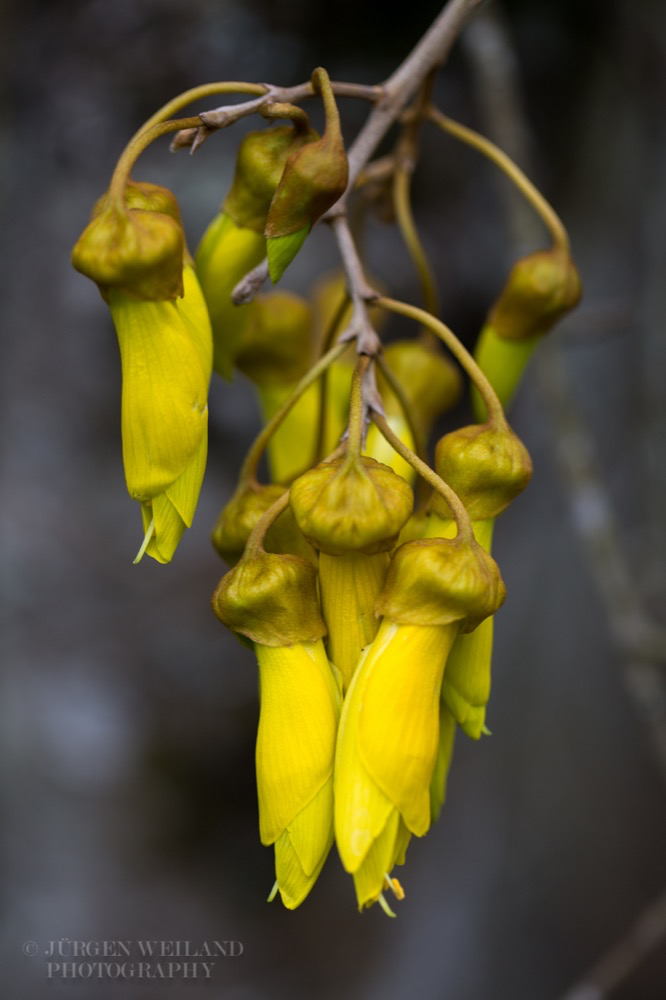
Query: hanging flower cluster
point(361, 574)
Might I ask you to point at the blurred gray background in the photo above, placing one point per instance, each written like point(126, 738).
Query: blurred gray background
point(129, 714)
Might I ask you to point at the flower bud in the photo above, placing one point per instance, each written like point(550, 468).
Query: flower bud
point(166, 353)
point(438, 581)
point(260, 164)
point(431, 383)
point(351, 504)
point(137, 247)
point(238, 518)
point(314, 177)
point(486, 466)
point(540, 289)
point(224, 256)
point(271, 599)
point(277, 348)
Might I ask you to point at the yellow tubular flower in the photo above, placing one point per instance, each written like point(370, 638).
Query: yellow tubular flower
point(272, 599)
point(350, 585)
point(466, 684)
point(226, 253)
point(166, 356)
point(378, 447)
point(389, 736)
point(447, 732)
point(387, 749)
point(298, 720)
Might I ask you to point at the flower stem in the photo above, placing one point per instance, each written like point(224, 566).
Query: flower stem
point(357, 408)
point(460, 515)
point(248, 473)
point(136, 146)
point(405, 219)
point(467, 135)
point(399, 393)
point(322, 85)
point(197, 94)
point(255, 541)
point(329, 336)
point(486, 391)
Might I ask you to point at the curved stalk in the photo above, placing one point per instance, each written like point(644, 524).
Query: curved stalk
point(460, 515)
point(479, 142)
point(486, 391)
point(248, 473)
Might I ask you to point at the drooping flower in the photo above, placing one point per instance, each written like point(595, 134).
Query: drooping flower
point(134, 250)
point(298, 720)
point(166, 354)
point(541, 288)
point(352, 511)
point(388, 741)
point(272, 600)
point(488, 467)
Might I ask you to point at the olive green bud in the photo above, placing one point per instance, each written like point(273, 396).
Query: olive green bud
point(540, 289)
point(432, 384)
point(351, 505)
point(238, 518)
point(260, 164)
point(438, 581)
point(136, 247)
point(276, 347)
point(487, 466)
point(271, 599)
point(314, 177)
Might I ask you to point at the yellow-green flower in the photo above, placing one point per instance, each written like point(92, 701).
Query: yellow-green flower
point(387, 750)
point(166, 355)
point(272, 599)
point(389, 737)
point(295, 749)
point(226, 253)
point(466, 684)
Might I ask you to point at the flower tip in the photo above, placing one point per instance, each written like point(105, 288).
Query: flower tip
point(150, 531)
point(485, 731)
point(281, 250)
point(273, 893)
point(381, 899)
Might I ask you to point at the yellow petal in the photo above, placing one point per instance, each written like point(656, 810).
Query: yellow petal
point(466, 685)
point(362, 810)
point(167, 515)
point(401, 843)
point(399, 724)
point(378, 447)
point(311, 830)
point(296, 735)
point(447, 732)
point(503, 363)
point(350, 585)
point(440, 527)
point(165, 353)
point(291, 449)
point(225, 255)
point(302, 849)
point(369, 879)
